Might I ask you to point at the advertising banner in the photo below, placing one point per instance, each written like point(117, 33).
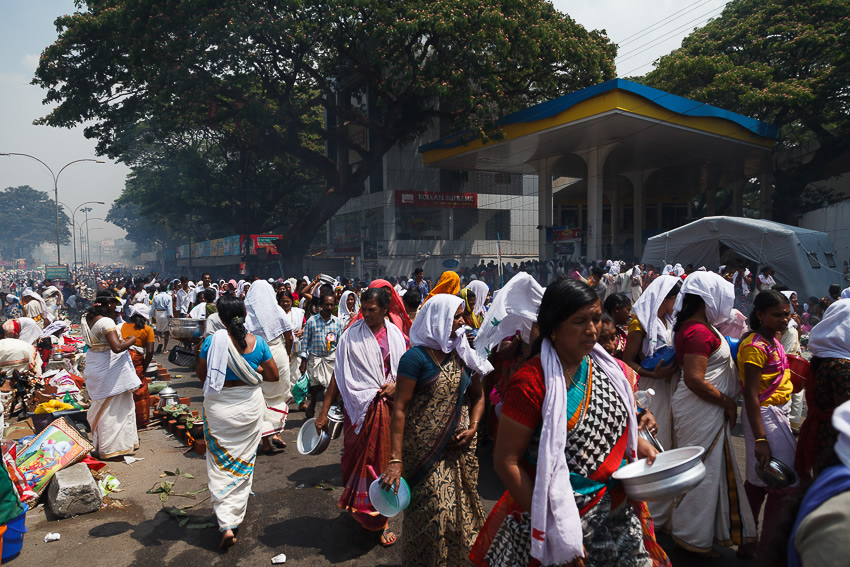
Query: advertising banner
point(250, 243)
point(439, 200)
point(59, 272)
point(562, 233)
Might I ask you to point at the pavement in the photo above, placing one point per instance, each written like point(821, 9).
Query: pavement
point(292, 511)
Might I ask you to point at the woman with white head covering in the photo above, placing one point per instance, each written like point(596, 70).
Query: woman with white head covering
point(829, 343)
point(650, 330)
point(568, 417)
point(232, 364)
point(13, 308)
point(52, 300)
point(435, 417)
point(22, 328)
point(481, 291)
point(266, 319)
point(36, 309)
point(296, 317)
point(668, 270)
point(705, 410)
point(349, 307)
point(678, 271)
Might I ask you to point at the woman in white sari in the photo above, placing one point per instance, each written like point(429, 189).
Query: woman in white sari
point(349, 307)
point(110, 379)
point(296, 317)
point(704, 412)
point(232, 364)
point(650, 330)
point(266, 319)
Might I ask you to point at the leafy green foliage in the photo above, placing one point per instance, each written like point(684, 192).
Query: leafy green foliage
point(27, 219)
point(228, 99)
point(781, 61)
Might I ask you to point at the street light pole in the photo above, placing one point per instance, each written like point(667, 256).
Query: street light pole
point(55, 189)
point(74, 223)
point(88, 247)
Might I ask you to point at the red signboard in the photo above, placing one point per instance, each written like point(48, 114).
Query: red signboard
point(440, 200)
point(562, 233)
point(250, 243)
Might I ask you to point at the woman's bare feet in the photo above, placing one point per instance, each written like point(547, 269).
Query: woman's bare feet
point(266, 446)
point(228, 539)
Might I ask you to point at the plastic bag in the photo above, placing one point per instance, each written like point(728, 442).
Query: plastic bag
point(300, 389)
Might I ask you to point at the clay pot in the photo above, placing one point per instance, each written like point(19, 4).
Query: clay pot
point(198, 430)
point(200, 446)
point(185, 401)
point(180, 432)
point(171, 424)
point(194, 413)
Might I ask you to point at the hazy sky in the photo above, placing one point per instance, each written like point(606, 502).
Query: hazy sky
point(27, 28)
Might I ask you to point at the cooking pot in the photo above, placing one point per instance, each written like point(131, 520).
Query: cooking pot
point(167, 397)
point(187, 329)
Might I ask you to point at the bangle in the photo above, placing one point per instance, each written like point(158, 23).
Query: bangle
point(471, 422)
point(760, 440)
point(394, 461)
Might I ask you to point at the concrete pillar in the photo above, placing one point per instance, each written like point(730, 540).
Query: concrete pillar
point(637, 179)
point(616, 222)
point(544, 207)
point(766, 194)
point(738, 198)
point(594, 158)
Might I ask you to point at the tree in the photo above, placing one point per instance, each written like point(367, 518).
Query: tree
point(28, 218)
point(276, 69)
point(783, 62)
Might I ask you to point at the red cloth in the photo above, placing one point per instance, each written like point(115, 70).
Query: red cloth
point(523, 399)
point(369, 448)
point(93, 463)
point(398, 315)
point(694, 337)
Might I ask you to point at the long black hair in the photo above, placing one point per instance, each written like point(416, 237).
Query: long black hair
point(138, 321)
point(764, 301)
point(232, 312)
point(691, 303)
point(100, 304)
point(563, 297)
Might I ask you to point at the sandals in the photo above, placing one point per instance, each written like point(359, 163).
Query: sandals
point(278, 442)
point(388, 538)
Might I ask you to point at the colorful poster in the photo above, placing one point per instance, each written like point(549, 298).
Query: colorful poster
point(60, 445)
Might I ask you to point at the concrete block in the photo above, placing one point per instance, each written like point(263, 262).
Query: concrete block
point(73, 491)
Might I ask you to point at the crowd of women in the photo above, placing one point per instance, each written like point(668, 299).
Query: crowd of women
point(549, 377)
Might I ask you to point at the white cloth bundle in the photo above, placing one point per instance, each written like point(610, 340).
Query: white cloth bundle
point(831, 337)
point(514, 308)
point(216, 362)
point(264, 316)
point(433, 329)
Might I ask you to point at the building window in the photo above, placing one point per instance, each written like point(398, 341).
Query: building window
point(503, 178)
point(498, 225)
point(830, 259)
point(813, 259)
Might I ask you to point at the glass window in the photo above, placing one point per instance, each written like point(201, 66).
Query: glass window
point(830, 259)
point(813, 259)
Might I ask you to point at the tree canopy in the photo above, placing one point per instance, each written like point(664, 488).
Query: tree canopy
point(28, 219)
point(275, 89)
point(783, 62)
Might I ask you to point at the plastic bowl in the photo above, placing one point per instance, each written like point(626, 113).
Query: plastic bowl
point(386, 502)
point(674, 472)
point(801, 371)
point(309, 441)
point(664, 355)
point(733, 346)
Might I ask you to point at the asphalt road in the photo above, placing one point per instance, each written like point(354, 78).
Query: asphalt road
point(293, 511)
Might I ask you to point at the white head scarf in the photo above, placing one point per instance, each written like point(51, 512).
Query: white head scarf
point(646, 310)
point(265, 317)
point(514, 308)
point(718, 294)
point(240, 288)
point(432, 328)
point(615, 269)
point(11, 298)
point(668, 270)
point(678, 270)
point(845, 294)
point(480, 289)
point(344, 314)
point(142, 309)
point(45, 313)
point(831, 337)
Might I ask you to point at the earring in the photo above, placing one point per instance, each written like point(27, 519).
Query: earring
point(552, 337)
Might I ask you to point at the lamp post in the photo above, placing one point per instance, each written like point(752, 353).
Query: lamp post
point(88, 246)
point(55, 189)
point(73, 224)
